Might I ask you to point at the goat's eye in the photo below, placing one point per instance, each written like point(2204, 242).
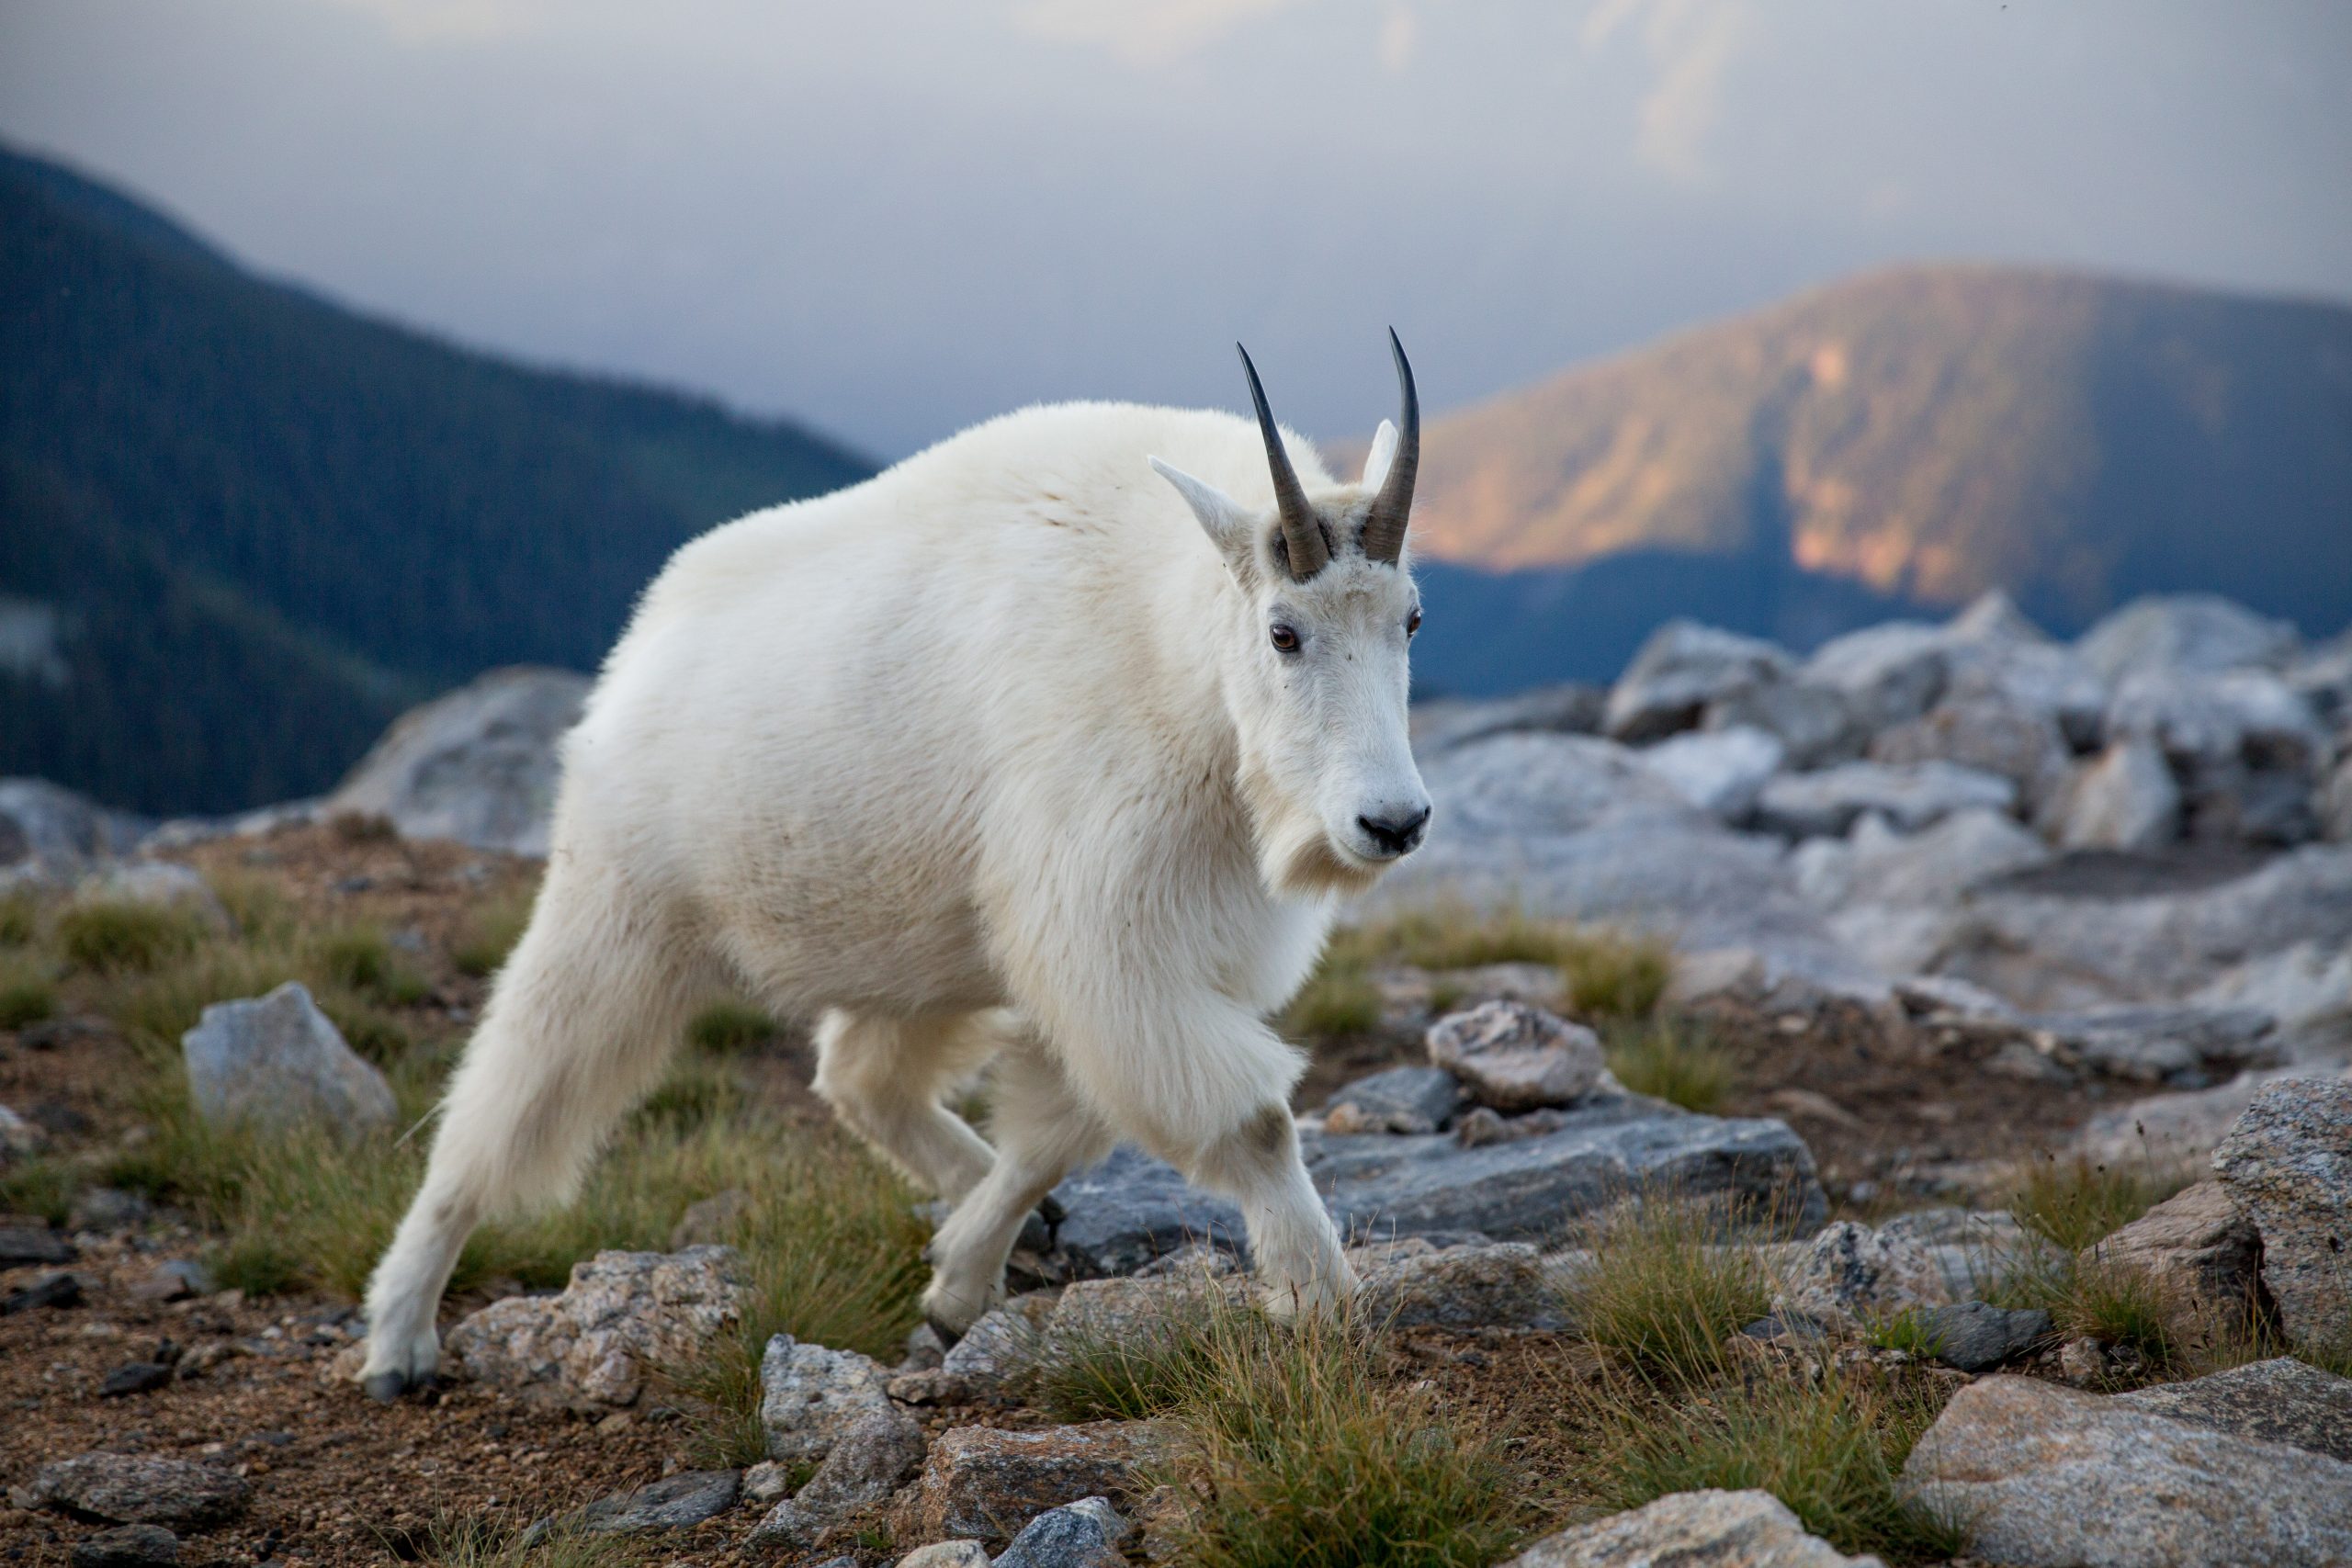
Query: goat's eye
point(1285, 639)
point(1412, 623)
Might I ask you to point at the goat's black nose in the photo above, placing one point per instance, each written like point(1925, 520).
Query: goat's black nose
point(1395, 835)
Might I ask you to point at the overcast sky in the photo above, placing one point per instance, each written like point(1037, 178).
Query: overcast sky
point(895, 217)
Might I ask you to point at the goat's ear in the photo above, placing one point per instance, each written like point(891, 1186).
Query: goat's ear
point(1221, 517)
point(1383, 453)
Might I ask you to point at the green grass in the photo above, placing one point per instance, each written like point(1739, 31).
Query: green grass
point(2074, 1202)
point(1905, 1331)
point(1674, 1060)
point(1310, 1457)
point(1664, 1294)
point(1339, 998)
point(110, 936)
point(726, 1027)
point(27, 994)
point(461, 1541)
point(41, 1186)
point(19, 919)
point(360, 958)
point(1830, 1446)
point(490, 931)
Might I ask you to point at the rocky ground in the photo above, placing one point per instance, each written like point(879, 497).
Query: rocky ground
point(1988, 1001)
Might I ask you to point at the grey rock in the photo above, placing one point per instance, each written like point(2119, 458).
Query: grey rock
point(1499, 1285)
point(2333, 805)
point(1131, 1208)
point(1976, 1338)
point(278, 1060)
point(1888, 673)
point(675, 1502)
point(867, 1462)
point(1830, 801)
point(2176, 1129)
point(55, 1290)
point(1721, 771)
point(1692, 1529)
point(2278, 1401)
point(134, 1377)
point(158, 884)
point(2182, 1043)
point(1568, 709)
point(174, 1280)
point(1084, 1534)
point(2022, 745)
point(2307, 987)
point(810, 1396)
point(2046, 1476)
point(622, 1316)
point(2000, 655)
point(2248, 749)
point(127, 1546)
point(2288, 1165)
point(2194, 632)
point(50, 835)
point(1511, 1057)
point(766, 1481)
point(1402, 1099)
point(478, 765)
point(2126, 799)
point(1851, 1273)
point(1814, 724)
point(135, 1489)
point(2201, 1251)
point(28, 1244)
point(1132, 1311)
point(1514, 785)
point(998, 1352)
point(985, 1483)
point(1679, 670)
point(947, 1554)
point(1480, 1125)
point(106, 1210)
point(1876, 865)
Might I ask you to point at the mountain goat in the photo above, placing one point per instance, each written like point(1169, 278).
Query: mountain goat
point(1011, 752)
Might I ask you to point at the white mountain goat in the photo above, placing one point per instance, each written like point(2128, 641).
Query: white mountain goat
point(1013, 752)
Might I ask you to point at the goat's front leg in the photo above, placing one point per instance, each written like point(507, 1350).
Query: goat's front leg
point(1300, 1265)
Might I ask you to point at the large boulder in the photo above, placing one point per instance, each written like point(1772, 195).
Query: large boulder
point(1721, 771)
point(2249, 750)
point(623, 1317)
point(1814, 724)
point(2202, 1252)
point(1567, 709)
point(2020, 744)
point(277, 1061)
point(2126, 798)
point(1678, 671)
point(1692, 1529)
point(1524, 785)
point(48, 834)
point(2050, 1478)
point(1888, 673)
point(1805, 805)
point(478, 765)
point(2288, 1165)
point(1511, 1056)
point(2191, 632)
point(2278, 1400)
point(1877, 865)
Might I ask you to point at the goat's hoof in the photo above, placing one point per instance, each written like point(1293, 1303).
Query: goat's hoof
point(948, 1337)
point(385, 1388)
point(1050, 1210)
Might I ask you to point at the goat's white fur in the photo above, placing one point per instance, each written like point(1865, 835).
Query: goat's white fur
point(988, 757)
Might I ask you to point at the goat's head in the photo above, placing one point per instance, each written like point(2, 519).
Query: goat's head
point(1318, 678)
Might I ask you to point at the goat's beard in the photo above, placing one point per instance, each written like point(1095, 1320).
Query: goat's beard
point(1295, 855)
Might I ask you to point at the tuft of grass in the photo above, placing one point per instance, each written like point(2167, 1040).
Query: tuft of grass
point(39, 1186)
point(1905, 1331)
point(1604, 974)
point(1149, 1370)
point(258, 906)
point(699, 1090)
point(156, 1009)
point(110, 936)
point(360, 958)
point(489, 932)
point(1674, 1060)
point(1311, 1459)
point(471, 1541)
point(364, 828)
point(2074, 1202)
point(1663, 1292)
point(729, 1027)
point(1612, 977)
point(2120, 1305)
point(26, 993)
point(19, 919)
point(1831, 1447)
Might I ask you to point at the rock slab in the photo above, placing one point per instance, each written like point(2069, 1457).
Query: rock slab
point(127, 1546)
point(675, 1502)
point(135, 1489)
point(2278, 1401)
point(623, 1315)
point(2287, 1164)
point(278, 1060)
point(1402, 1099)
point(1692, 1529)
point(2050, 1478)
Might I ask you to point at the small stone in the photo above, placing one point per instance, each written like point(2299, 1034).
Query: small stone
point(1692, 1529)
point(984, 1483)
point(947, 1554)
point(135, 1489)
point(1976, 1338)
point(1402, 1099)
point(49, 1290)
point(1849, 1272)
point(2278, 1401)
point(2288, 1165)
point(868, 1461)
point(2126, 799)
point(1084, 1534)
point(2198, 1247)
point(2084, 1361)
point(2047, 1476)
point(1501, 1285)
point(623, 1315)
point(675, 1502)
point(134, 1377)
point(174, 1282)
point(278, 1060)
point(107, 1210)
point(811, 1396)
point(129, 1546)
point(1479, 1126)
point(998, 1353)
point(1511, 1057)
point(766, 1481)
point(29, 1244)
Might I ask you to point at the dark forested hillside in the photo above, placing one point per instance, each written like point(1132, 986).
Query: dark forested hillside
point(240, 527)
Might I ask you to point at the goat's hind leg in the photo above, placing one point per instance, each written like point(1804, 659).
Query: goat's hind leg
point(579, 1026)
point(886, 1078)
